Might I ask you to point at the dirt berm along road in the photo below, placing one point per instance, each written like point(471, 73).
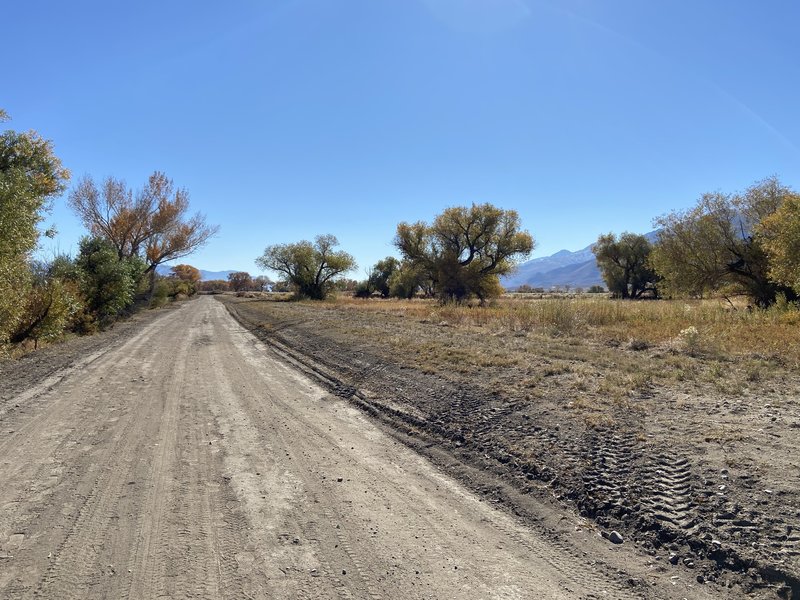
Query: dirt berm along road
point(185, 459)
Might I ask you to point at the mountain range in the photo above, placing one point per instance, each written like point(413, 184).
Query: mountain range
point(204, 275)
point(564, 268)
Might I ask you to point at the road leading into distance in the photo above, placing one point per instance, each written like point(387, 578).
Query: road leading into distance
point(188, 461)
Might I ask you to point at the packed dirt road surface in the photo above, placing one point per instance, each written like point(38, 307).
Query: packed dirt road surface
point(187, 460)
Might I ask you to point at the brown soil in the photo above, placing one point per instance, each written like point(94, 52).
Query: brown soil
point(179, 457)
point(699, 474)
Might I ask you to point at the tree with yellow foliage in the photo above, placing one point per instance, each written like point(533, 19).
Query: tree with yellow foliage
point(152, 224)
point(465, 250)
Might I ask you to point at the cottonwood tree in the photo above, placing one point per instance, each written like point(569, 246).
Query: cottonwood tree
point(30, 176)
point(153, 223)
point(261, 282)
point(716, 246)
point(186, 273)
point(186, 278)
point(240, 281)
point(344, 284)
point(624, 264)
point(311, 268)
point(213, 285)
point(465, 250)
point(380, 274)
point(408, 280)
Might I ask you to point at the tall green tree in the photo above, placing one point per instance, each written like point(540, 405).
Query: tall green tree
point(380, 275)
point(311, 268)
point(409, 279)
point(30, 176)
point(716, 247)
point(624, 264)
point(465, 249)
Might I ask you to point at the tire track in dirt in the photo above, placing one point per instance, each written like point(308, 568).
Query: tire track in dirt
point(667, 494)
point(76, 560)
point(250, 450)
point(608, 480)
point(615, 467)
point(149, 560)
point(60, 408)
point(39, 467)
point(557, 555)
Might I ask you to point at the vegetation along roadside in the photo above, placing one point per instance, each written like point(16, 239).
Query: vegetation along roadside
point(129, 235)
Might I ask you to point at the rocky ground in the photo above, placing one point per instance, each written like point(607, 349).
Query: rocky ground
point(692, 461)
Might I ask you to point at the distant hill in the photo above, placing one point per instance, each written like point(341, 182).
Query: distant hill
point(204, 275)
point(209, 275)
point(575, 269)
point(564, 268)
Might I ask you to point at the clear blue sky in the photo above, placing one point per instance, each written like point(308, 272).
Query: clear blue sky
point(289, 118)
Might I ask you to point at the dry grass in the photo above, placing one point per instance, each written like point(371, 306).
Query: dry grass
point(594, 357)
point(710, 328)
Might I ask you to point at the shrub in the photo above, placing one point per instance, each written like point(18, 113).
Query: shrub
point(363, 290)
point(161, 293)
point(48, 310)
point(108, 283)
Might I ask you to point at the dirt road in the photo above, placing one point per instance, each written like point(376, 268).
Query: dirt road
point(187, 461)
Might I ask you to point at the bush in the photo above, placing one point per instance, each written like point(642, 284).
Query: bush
point(161, 293)
point(49, 308)
point(14, 283)
point(363, 290)
point(108, 283)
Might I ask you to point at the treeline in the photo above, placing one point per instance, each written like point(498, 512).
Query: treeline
point(129, 235)
point(460, 255)
point(745, 244)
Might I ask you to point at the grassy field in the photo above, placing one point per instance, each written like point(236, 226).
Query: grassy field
point(606, 355)
point(702, 327)
point(710, 328)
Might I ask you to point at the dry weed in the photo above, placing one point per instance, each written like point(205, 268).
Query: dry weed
point(695, 327)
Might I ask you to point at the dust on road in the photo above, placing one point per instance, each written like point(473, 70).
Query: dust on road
point(187, 461)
